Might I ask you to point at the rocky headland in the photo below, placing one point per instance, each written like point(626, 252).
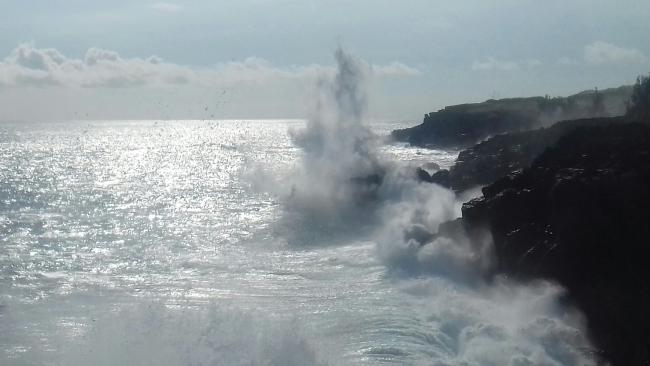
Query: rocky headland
point(579, 216)
point(570, 203)
point(467, 124)
point(504, 154)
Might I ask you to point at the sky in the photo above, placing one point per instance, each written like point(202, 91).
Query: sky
point(201, 59)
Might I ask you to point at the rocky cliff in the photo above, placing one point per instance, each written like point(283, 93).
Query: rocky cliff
point(504, 154)
point(467, 124)
point(457, 127)
point(579, 215)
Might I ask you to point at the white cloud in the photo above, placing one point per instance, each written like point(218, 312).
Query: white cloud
point(395, 69)
point(494, 64)
point(31, 66)
point(166, 7)
point(606, 53)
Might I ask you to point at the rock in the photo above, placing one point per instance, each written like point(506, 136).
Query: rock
point(505, 154)
point(467, 124)
point(454, 127)
point(580, 215)
point(440, 177)
point(423, 175)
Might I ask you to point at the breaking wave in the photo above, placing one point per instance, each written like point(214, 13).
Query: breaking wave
point(344, 186)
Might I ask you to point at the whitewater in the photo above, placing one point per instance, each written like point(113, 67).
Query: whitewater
point(253, 242)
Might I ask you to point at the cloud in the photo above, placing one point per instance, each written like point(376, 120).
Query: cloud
point(100, 68)
point(606, 53)
point(494, 64)
point(166, 7)
point(395, 69)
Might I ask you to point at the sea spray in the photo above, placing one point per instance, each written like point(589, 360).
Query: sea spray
point(336, 186)
point(343, 185)
point(500, 324)
point(152, 334)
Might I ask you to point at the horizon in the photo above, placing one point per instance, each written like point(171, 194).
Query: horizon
point(252, 59)
point(368, 120)
point(303, 182)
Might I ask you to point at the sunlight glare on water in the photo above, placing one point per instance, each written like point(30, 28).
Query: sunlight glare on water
point(147, 243)
point(101, 216)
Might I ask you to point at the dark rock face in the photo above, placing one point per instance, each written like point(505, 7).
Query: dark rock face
point(580, 215)
point(467, 124)
point(440, 177)
point(505, 154)
point(454, 127)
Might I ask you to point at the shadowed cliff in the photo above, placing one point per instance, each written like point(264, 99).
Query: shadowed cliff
point(467, 124)
point(579, 215)
point(504, 154)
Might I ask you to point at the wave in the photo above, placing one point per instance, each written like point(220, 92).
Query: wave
point(155, 334)
point(344, 186)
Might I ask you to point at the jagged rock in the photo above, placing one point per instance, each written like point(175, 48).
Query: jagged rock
point(440, 177)
point(505, 154)
point(580, 215)
point(423, 175)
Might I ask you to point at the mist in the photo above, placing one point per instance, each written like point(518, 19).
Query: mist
point(343, 186)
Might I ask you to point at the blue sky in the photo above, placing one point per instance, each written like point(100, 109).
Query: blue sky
point(255, 59)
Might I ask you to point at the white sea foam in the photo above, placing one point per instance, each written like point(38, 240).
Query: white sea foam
point(152, 334)
point(344, 183)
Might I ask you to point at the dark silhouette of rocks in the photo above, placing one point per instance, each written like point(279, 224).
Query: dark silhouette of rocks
point(455, 126)
point(504, 154)
point(467, 124)
point(440, 177)
point(566, 202)
point(579, 215)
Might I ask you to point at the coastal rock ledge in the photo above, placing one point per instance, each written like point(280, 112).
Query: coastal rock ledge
point(580, 215)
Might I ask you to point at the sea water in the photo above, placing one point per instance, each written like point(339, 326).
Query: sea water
point(152, 243)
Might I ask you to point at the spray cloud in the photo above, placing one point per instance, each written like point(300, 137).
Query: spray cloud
point(336, 185)
point(343, 185)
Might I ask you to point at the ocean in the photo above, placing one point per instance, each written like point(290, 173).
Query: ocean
point(238, 242)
